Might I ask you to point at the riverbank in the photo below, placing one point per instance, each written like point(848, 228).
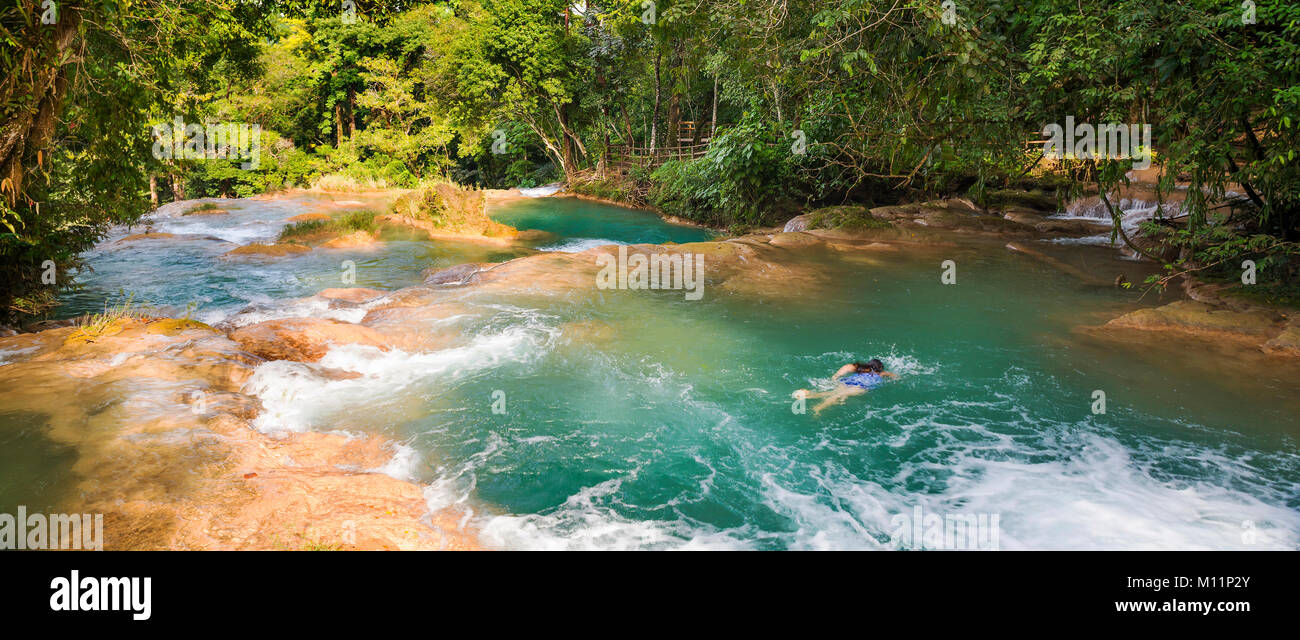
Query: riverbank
point(166, 449)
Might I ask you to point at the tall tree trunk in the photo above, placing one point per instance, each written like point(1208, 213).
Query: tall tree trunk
point(178, 188)
point(604, 137)
point(566, 140)
point(352, 112)
point(153, 190)
point(654, 114)
point(627, 124)
point(713, 120)
point(675, 104)
point(776, 100)
point(338, 119)
point(39, 72)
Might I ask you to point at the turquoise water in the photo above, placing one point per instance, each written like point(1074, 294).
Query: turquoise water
point(679, 431)
point(583, 224)
point(638, 419)
point(172, 274)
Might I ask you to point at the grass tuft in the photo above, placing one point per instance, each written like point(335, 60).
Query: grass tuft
point(349, 222)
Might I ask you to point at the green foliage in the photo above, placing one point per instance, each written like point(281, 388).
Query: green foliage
point(76, 99)
point(450, 209)
point(746, 178)
point(349, 222)
point(857, 101)
point(613, 188)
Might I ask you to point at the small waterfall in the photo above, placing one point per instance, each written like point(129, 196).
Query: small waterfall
point(1133, 211)
point(542, 192)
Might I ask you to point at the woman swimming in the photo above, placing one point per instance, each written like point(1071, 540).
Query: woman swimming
point(855, 378)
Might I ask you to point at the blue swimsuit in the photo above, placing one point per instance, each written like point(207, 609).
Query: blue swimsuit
point(864, 380)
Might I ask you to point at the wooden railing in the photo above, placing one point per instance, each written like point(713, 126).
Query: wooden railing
point(692, 143)
point(626, 156)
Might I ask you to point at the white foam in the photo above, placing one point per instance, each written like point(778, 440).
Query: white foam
point(404, 465)
point(312, 307)
point(295, 398)
point(578, 245)
point(240, 234)
point(1102, 498)
point(541, 192)
point(584, 523)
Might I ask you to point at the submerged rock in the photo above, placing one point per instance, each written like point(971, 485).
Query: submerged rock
point(1286, 343)
point(1198, 317)
point(1071, 227)
point(303, 339)
point(1258, 329)
point(353, 294)
point(459, 274)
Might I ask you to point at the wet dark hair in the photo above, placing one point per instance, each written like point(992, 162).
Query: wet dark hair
point(873, 365)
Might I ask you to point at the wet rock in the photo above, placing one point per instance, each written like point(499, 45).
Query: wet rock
point(310, 217)
point(1197, 317)
point(174, 326)
point(151, 235)
point(353, 294)
point(1286, 343)
point(870, 246)
point(1072, 227)
point(794, 239)
point(1023, 216)
point(335, 374)
point(900, 234)
point(1037, 200)
point(536, 237)
point(354, 240)
point(147, 236)
point(896, 212)
point(45, 325)
point(943, 215)
point(271, 250)
point(303, 339)
point(404, 298)
point(159, 427)
point(459, 274)
point(797, 223)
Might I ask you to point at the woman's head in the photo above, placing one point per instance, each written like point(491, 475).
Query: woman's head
point(873, 365)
